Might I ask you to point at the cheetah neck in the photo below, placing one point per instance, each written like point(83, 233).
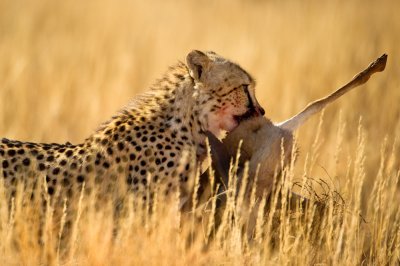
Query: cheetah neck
point(170, 107)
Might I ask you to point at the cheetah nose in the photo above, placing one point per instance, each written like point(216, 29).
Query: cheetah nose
point(260, 110)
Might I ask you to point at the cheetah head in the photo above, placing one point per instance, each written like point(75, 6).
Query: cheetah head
point(225, 92)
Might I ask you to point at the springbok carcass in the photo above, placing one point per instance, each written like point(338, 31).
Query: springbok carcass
point(267, 146)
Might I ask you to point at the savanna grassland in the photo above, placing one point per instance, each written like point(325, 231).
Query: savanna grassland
point(67, 66)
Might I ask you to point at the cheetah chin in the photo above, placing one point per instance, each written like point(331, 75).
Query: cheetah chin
point(252, 112)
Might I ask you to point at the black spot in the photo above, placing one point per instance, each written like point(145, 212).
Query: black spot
point(170, 164)
point(66, 182)
point(50, 190)
point(135, 180)
point(41, 167)
point(30, 145)
point(142, 172)
point(172, 154)
point(144, 139)
point(26, 162)
point(159, 146)
point(63, 162)
point(21, 151)
point(120, 146)
point(40, 157)
point(122, 128)
point(80, 178)
point(89, 168)
point(106, 165)
point(132, 156)
point(56, 171)
point(11, 152)
point(69, 153)
point(144, 181)
point(50, 158)
point(109, 151)
point(152, 139)
point(128, 138)
point(180, 76)
point(104, 141)
point(88, 158)
point(5, 164)
point(129, 180)
point(143, 163)
point(138, 148)
point(138, 135)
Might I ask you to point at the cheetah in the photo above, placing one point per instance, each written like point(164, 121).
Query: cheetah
point(158, 138)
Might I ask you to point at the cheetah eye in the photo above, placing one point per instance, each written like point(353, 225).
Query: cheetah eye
point(243, 86)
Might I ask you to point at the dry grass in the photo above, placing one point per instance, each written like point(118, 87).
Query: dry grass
point(67, 66)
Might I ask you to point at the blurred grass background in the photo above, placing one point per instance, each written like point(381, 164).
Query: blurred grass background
point(66, 66)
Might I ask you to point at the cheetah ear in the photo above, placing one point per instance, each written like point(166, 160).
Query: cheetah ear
point(197, 62)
